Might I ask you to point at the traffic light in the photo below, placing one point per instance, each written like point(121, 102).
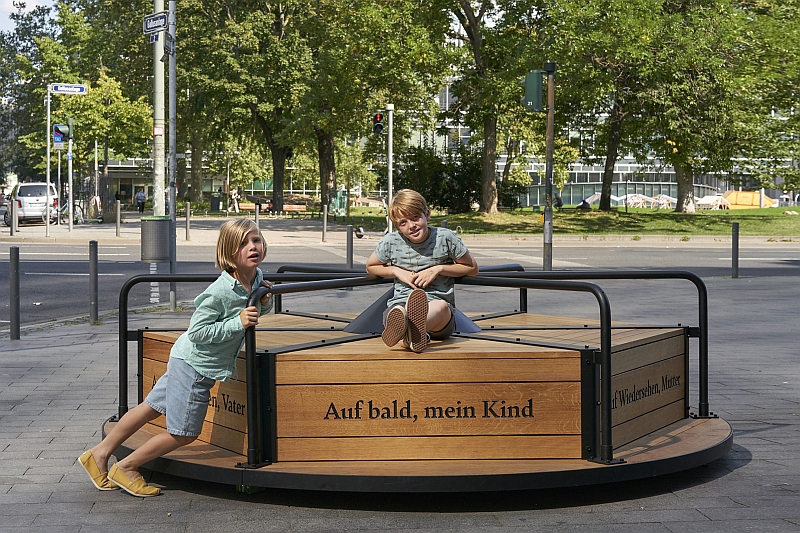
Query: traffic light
point(533, 91)
point(377, 122)
point(66, 130)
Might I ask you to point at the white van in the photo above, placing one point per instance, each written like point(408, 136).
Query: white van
point(31, 199)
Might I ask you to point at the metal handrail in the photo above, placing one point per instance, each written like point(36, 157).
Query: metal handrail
point(501, 280)
point(702, 296)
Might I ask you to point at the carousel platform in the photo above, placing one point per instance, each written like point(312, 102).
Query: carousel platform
point(512, 401)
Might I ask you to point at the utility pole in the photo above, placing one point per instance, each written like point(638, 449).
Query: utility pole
point(547, 254)
point(173, 155)
point(158, 118)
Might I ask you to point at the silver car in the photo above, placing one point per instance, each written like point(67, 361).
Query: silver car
point(31, 199)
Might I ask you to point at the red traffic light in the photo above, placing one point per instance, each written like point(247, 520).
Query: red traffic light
point(377, 122)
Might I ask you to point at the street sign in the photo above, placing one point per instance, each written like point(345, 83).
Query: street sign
point(154, 38)
point(69, 88)
point(58, 145)
point(69, 156)
point(154, 23)
point(58, 137)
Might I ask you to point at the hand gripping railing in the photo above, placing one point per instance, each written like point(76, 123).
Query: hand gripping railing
point(258, 444)
point(125, 335)
point(702, 295)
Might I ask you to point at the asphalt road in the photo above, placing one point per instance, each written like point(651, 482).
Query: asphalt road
point(54, 279)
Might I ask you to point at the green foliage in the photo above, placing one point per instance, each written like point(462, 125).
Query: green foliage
point(451, 182)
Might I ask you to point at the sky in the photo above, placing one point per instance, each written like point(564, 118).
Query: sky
point(7, 7)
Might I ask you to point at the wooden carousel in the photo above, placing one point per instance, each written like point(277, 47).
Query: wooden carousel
point(512, 401)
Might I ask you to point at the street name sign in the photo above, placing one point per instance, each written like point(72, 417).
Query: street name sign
point(69, 88)
point(155, 22)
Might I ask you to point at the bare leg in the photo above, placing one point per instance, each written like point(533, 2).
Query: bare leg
point(129, 424)
point(438, 315)
point(157, 446)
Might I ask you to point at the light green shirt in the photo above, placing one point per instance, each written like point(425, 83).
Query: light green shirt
point(216, 334)
point(442, 247)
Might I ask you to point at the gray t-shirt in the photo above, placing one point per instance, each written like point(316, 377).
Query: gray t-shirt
point(442, 247)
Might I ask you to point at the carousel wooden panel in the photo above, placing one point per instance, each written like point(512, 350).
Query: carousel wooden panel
point(429, 409)
point(420, 448)
point(314, 372)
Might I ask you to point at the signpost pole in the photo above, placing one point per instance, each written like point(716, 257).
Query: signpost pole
point(47, 197)
point(547, 255)
point(58, 189)
point(69, 181)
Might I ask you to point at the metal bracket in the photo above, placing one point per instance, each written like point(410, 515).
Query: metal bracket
point(696, 416)
point(610, 462)
point(253, 466)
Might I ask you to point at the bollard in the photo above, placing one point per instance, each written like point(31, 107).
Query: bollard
point(735, 250)
point(11, 207)
point(93, 282)
point(119, 218)
point(324, 222)
point(256, 210)
point(188, 219)
point(349, 263)
point(444, 224)
point(13, 267)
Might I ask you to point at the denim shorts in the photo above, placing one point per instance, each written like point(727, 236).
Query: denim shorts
point(182, 394)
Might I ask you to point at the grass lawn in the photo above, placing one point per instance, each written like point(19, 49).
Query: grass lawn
point(760, 222)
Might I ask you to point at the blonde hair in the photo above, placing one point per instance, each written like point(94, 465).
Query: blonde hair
point(231, 236)
point(407, 203)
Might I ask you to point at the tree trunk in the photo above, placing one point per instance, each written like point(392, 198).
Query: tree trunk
point(278, 172)
point(196, 179)
point(488, 202)
point(327, 164)
point(612, 152)
point(685, 178)
point(278, 155)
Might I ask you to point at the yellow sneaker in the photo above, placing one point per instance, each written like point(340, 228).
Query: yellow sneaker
point(136, 487)
point(99, 479)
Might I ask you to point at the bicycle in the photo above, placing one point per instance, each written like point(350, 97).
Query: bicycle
point(63, 214)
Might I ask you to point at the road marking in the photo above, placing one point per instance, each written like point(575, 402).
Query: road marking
point(155, 294)
point(66, 274)
point(62, 254)
point(760, 258)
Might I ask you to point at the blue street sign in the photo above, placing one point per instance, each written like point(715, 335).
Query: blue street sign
point(154, 38)
point(69, 88)
point(69, 156)
point(154, 23)
point(58, 137)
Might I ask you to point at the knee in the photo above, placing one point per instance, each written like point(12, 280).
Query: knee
point(183, 440)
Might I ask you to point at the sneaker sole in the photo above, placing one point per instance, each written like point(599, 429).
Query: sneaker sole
point(417, 317)
point(395, 328)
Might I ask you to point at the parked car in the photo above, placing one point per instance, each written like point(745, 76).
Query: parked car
point(31, 199)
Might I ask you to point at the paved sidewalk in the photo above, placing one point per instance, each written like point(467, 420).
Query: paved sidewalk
point(59, 383)
point(308, 232)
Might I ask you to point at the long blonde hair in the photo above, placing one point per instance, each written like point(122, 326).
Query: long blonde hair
point(231, 236)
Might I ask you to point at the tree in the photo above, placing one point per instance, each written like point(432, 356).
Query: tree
point(491, 37)
point(364, 55)
point(254, 63)
point(607, 60)
point(700, 105)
